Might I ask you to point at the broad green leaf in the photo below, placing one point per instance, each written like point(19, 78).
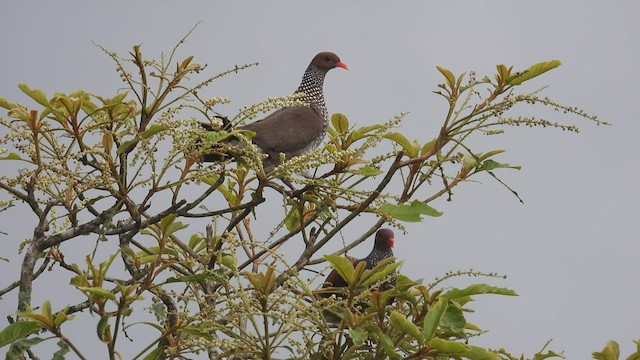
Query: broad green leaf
point(18, 348)
point(340, 123)
point(409, 147)
point(195, 331)
point(533, 71)
point(427, 147)
point(64, 349)
point(6, 104)
point(401, 323)
point(610, 352)
point(61, 317)
point(343, 266)
point(229, 261)
point(11, 156)
point(217, 136)
point(126, 145)
point(433, 318)
point(551, 354)
point(98, 292)
point(118, 98)
point(362, 132)
point(477, 289)
point(388, 345)
point(491, 165)
point(451, 79)
point(292, 221)
point(208, 276)
point(380, 271)
point(172, 226)
point(166, 221)
point(145, 259)
point(152, 130)
point(102, 327)
point(210, 179)
point(156, 354)
point(469, 161)
point(46, 309)
point(479, 353)
point(18, 330)
point(451, 347)
point(453, 318)
point(35, 94)
point(409, 212)
point(367, 171)
point(358, 335)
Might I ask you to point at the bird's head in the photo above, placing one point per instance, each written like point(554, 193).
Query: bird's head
point(384, 239)
point(327, 61)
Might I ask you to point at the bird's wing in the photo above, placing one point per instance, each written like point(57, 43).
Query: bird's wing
point(287, 130)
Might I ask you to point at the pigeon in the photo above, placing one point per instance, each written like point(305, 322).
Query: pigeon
point(294, 131)
point(382, 249)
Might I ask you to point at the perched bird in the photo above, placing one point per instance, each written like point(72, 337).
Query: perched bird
point(295, 131)
point(382, 249)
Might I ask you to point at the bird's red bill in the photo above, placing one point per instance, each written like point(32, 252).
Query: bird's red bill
point(342, 65)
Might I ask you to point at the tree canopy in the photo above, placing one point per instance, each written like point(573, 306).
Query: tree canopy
point(185, 250)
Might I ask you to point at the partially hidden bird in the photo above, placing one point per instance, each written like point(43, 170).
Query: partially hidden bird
point(294, 131)
point(382, 249)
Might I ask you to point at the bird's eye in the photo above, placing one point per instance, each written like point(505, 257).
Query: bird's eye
point(327, 58)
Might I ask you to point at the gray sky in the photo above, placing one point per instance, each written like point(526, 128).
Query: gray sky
point(571, 251)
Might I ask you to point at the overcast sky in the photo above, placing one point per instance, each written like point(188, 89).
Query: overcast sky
point(571, 251)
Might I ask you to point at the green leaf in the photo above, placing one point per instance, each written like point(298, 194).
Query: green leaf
point(477, 289)
point(409, 212)
point(358, 335)
point(454, 318)
point(610, 352)
point(490, 154)
point(35, 94)
point(343, 266)
point(491, 165)
point(451, 79)
point(367, 170)
point(18, 330)
point(533, 71)
point(156, 354)
point(364, 131)
point(480, 353)
point(20, 346)
point(6, 104)
point(451, 347)
point(410, 148)
point(208, 276)
point(427, 147)
point(102, 327)
point(387, 345)
point(11, 156)
point(98, 292)
point(64, 349)
point(152, 130)
point(217, 136)
point(169, 226)
point(381, 271)
point(401, 323)
point(126, 145)
point(340, 123)
point(433, 318)
point(551, 354)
